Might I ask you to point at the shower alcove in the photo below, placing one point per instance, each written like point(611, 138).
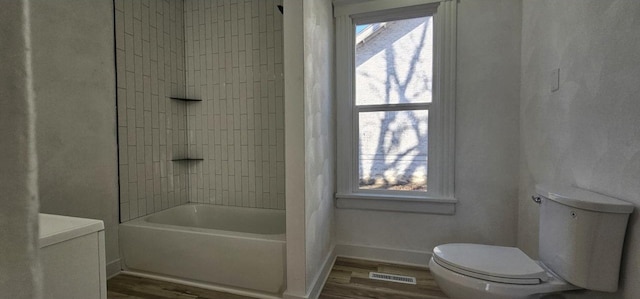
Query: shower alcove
point(200, 97)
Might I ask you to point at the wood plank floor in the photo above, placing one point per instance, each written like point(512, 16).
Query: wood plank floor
point(349, 279)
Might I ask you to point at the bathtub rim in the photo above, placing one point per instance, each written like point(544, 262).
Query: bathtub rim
point(143, 222)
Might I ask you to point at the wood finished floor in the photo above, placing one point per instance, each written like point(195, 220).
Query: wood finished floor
point(125, 286)
point(349, 279)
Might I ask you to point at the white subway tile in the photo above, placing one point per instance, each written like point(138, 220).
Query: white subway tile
point(142, 206)
point(132, 165)
point(124, 183)
point(239, 130)
point(124, 212)
point(133, 191)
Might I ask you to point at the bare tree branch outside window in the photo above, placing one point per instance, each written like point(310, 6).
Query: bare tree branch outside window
point(394, 66)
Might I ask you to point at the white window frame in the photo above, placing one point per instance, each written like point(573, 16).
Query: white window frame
point(439, 198)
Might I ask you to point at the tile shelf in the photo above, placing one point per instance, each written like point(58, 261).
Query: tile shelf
point(187, 159)
point(185, 99)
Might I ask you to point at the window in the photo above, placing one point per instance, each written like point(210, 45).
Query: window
point(395, 80)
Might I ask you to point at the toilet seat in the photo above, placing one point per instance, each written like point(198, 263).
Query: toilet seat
point(492, 263)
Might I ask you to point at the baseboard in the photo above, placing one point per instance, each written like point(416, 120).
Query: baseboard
point(391, 255)
point(113, 268)
point(323, 275)
point(321, 278)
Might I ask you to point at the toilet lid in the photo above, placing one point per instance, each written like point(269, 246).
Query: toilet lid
point(495, 263)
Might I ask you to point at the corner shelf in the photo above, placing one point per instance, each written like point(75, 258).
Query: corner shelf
point(188, 159)
point(185, 99)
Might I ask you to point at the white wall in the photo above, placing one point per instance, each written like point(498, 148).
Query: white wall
point(320, 134)
point(19, 269)
point(486, 144)
point(294, 130)
point(74, 82)
point(309, 125)
point(588, 132)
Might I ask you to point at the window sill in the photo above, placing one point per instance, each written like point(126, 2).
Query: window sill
point(391, 203)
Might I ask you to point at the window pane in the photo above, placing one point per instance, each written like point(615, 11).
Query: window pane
point(394, 62)
point(393, 150)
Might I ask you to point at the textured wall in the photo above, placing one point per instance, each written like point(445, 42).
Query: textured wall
point(234, 62)
point(486, 144)
point(588, 132)
point(151, 127)
point(19, 270)
point(319, 133)
point(74, 83)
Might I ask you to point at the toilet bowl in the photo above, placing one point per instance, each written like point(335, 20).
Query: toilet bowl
point(465, 271)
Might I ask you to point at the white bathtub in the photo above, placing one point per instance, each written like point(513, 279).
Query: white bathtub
point(232, 247)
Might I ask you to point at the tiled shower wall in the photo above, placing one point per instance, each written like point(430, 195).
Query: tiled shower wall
point(234, 62)
point(151, 127)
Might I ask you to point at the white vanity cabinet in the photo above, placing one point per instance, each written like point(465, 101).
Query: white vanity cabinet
point(72, 257)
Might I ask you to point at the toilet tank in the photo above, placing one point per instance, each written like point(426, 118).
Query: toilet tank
point(581, 235)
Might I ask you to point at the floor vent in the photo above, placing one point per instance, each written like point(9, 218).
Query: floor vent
point(392, 277)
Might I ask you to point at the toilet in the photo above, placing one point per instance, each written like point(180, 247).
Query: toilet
point(580, 246)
